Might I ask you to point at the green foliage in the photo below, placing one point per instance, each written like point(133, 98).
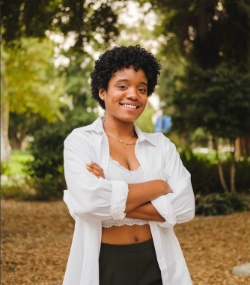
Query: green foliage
point(14, 168)
point(4, 167)
point(23, 125)
point(47, 187)
point(77, 74)
point(17, 163)
point(17, 190)
point(204, 174)
point(47, 150)
point(206, 33)
point(83, 18)
point(199, 137)
point(220, 203)
point(144, 122)
point(205, 177)
point(216, 100)
point(29, 80)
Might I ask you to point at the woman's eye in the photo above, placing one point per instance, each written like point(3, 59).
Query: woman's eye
point(142, 90)
point(122, 86)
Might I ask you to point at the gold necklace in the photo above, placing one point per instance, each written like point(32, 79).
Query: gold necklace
point(122, 141)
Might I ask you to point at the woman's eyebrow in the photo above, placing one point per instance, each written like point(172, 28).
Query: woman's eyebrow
point(120, 80)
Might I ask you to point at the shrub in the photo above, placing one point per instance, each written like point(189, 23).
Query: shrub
point(242, 176)
point(205, 177)
point(46, 188)
point(4, 167)
point(220, 204)
point(46, 169)
point(17, 190)
point(204, 173)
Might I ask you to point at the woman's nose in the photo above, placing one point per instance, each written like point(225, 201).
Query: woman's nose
point(132, 94)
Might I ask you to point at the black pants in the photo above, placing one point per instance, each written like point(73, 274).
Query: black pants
point(133, 264)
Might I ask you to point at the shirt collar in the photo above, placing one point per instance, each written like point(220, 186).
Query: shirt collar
point(97, 126)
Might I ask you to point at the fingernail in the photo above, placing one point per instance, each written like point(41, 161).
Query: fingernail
point(87, 167)
point(92, 172)
point(87, 163)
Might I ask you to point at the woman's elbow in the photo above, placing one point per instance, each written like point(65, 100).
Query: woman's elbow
point(82, 212)
point(90, 213)
point(186, 216)
point(191, 214)
point(187, 213)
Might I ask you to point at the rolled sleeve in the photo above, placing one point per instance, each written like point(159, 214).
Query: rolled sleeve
point(119, 200)
point(178, 206)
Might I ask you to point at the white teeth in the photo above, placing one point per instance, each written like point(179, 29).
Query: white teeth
point(129, 106)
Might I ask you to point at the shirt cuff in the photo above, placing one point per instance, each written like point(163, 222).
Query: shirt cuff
point(119, 199)
point(163, 206)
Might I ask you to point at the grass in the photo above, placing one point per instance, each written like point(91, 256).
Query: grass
point(17, 163)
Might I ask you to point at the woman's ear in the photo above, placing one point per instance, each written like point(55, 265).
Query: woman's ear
point(102, 93)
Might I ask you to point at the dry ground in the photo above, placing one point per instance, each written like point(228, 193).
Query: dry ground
point(36, 238)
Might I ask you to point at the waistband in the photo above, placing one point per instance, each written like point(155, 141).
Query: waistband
point(135, 247)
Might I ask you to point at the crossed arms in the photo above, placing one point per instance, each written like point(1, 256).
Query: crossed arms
point(96, 199)
point(138, 205)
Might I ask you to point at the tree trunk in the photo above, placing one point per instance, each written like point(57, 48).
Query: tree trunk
point(5, 145)
point(242, 146)
point(18, 137)
point(15, 142)
point(232, 170)
point(220, 168)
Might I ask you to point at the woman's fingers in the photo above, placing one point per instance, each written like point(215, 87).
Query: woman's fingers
point(95, 169)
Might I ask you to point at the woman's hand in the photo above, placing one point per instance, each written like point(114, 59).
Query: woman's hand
point(95, 169)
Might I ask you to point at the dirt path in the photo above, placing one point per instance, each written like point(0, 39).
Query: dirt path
point(36, 238)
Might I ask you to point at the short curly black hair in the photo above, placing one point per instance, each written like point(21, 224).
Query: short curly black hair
point(119, 58)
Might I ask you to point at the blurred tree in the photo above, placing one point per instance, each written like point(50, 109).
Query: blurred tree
point(86, 20)
point(209, 41)
point(47, 147)
point(206, 32)
point(217, 100)
point(29, 84)
point(77, 74)
point(22, 125)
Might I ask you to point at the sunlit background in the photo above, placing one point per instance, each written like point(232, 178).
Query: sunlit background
point(202, 101)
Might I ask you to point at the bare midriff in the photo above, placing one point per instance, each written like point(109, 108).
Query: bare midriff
point(126, 234)
point(124, 154)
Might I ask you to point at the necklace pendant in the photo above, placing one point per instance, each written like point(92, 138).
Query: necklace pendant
point(121, 141)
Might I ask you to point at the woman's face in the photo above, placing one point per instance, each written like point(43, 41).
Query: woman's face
point(126, 96)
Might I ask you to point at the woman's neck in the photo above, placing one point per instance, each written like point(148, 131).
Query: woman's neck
point(117, 128)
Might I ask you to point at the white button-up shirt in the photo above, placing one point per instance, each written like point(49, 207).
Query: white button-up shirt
point(91, 200)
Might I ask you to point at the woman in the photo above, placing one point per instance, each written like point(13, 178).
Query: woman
point(126, 189)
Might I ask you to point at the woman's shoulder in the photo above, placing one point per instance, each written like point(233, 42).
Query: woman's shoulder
point(157, 138)
point(162, 142)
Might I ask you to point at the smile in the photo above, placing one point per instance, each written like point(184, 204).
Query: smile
point(129, 106)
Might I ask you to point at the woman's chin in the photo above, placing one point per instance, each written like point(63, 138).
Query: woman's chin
point(129, 119)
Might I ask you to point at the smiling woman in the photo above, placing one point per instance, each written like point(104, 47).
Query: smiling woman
point(126, 189)
point(126, 96)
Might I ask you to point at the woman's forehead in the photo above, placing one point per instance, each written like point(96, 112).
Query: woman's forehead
point(129, 73)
